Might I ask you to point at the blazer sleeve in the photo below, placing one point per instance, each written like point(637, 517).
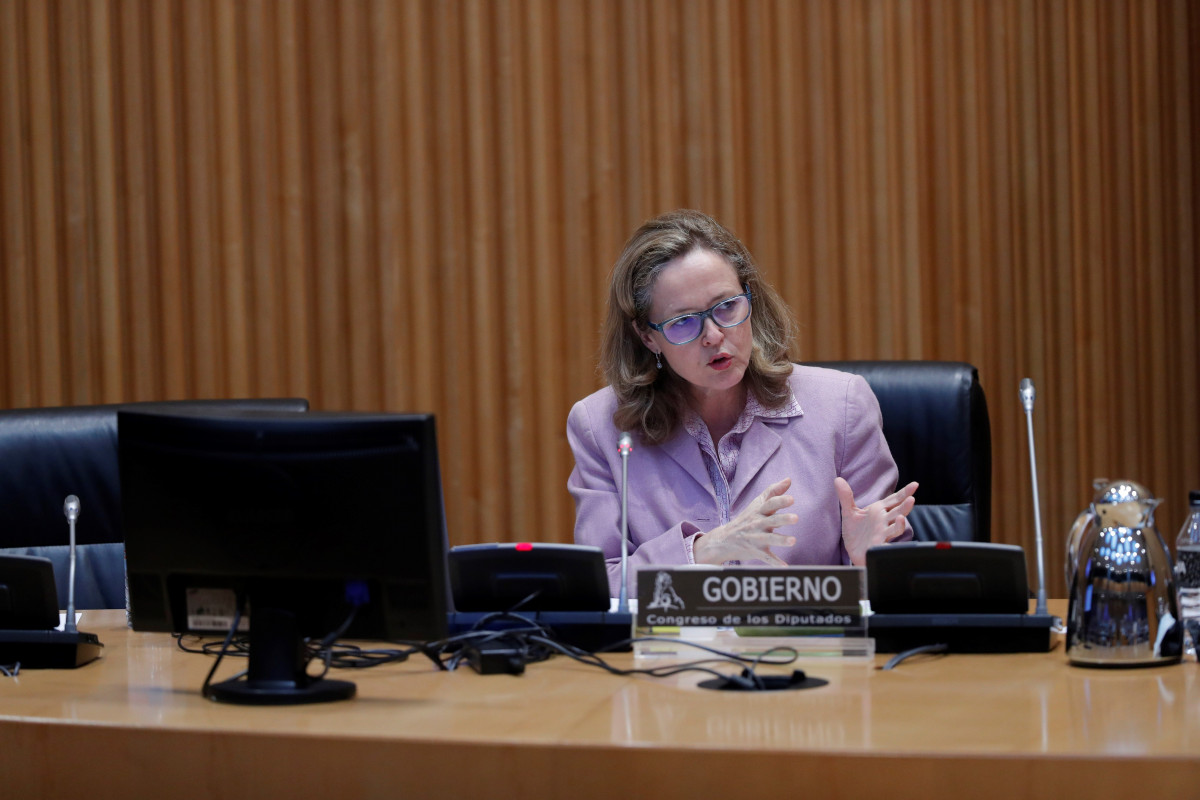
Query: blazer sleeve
point(866, 461)
point(594, 485)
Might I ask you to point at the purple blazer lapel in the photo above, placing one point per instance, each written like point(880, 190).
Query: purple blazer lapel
point(758, 445)
point(682, 448)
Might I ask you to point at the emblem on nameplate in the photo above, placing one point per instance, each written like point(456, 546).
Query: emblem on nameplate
point(665, 597)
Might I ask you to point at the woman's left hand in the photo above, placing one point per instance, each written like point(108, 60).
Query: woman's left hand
point(878, 523)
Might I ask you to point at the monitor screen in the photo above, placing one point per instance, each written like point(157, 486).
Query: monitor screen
point(299, 518)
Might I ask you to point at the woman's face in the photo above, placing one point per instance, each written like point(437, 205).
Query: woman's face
point(717, 359)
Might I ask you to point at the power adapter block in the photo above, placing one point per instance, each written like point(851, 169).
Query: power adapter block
point(494, 658)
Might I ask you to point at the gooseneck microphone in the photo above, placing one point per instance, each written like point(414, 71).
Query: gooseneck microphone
point(49, 647)
point(71, 509)
point(1027, 395)
point(624, 447)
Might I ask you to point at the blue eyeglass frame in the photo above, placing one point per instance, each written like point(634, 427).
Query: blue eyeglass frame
point(659, 326)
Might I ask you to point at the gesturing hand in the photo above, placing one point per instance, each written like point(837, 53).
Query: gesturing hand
point(878, 523)
point(750, 534)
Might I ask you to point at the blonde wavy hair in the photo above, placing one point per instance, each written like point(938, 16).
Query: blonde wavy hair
point(652, 401)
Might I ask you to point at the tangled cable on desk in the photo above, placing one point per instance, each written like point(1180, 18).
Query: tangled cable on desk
point(523, 642)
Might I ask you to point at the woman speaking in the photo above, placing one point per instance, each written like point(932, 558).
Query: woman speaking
point(739, 455)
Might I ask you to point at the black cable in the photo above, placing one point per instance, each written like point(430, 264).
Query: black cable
point(347, 656)
point(667, 670)
point(899, 658)
point(758, 659)
point(531, 642)
point(450, 652)
point(205, 691)
point(324, 650)
point(240, 645)
point(462, 646)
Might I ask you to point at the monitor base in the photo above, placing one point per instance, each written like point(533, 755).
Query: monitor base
point(280, 693)
point(277, 673)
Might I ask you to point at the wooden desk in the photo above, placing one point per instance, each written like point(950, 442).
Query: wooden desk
point(980, 726)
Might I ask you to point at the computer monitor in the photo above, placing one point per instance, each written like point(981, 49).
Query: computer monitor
point(301, 518)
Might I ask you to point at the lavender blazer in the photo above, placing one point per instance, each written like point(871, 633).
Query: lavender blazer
point(671, 496)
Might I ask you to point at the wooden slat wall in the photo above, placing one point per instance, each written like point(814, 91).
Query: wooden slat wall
point(415, 205)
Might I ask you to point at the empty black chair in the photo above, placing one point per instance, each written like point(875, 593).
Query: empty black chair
point(49, 453)
point(935, 420)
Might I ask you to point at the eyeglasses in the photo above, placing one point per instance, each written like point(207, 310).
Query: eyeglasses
point(728, 313)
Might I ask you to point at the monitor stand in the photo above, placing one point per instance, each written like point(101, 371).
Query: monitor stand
point(277, 675)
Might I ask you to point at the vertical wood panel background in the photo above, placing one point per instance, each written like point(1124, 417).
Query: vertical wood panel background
point(414, 205)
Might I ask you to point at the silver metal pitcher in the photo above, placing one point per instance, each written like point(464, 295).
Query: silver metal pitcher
point(1082, 522)
point(1123, 609)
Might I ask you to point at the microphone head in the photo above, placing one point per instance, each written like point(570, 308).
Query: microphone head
point(1027, 394)
point(624, 443)
point(71, 507)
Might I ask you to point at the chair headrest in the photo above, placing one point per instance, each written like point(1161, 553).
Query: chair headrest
point(935, 420)
point(49, 453)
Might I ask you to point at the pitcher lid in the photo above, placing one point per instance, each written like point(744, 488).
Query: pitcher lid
point(1123, 491)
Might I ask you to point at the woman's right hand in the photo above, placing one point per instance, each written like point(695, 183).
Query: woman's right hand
point(750, 535)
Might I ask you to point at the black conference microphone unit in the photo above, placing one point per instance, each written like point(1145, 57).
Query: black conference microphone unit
point(28, 600)
point(565, 588)
point(966, 597)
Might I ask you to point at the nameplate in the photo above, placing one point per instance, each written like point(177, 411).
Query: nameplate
point(813, 599)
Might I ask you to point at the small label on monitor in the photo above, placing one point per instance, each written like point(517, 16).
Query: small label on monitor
point(213, 610)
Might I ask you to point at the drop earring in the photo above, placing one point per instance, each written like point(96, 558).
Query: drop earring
point(658, 360)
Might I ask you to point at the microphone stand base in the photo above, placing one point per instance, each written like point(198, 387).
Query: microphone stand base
point(49, 649)
point(962, 633)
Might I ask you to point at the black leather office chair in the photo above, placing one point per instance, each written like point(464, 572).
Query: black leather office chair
point(935, 419)
point(49, 453)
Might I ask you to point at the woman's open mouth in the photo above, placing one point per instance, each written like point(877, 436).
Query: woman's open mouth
point(721, 362)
